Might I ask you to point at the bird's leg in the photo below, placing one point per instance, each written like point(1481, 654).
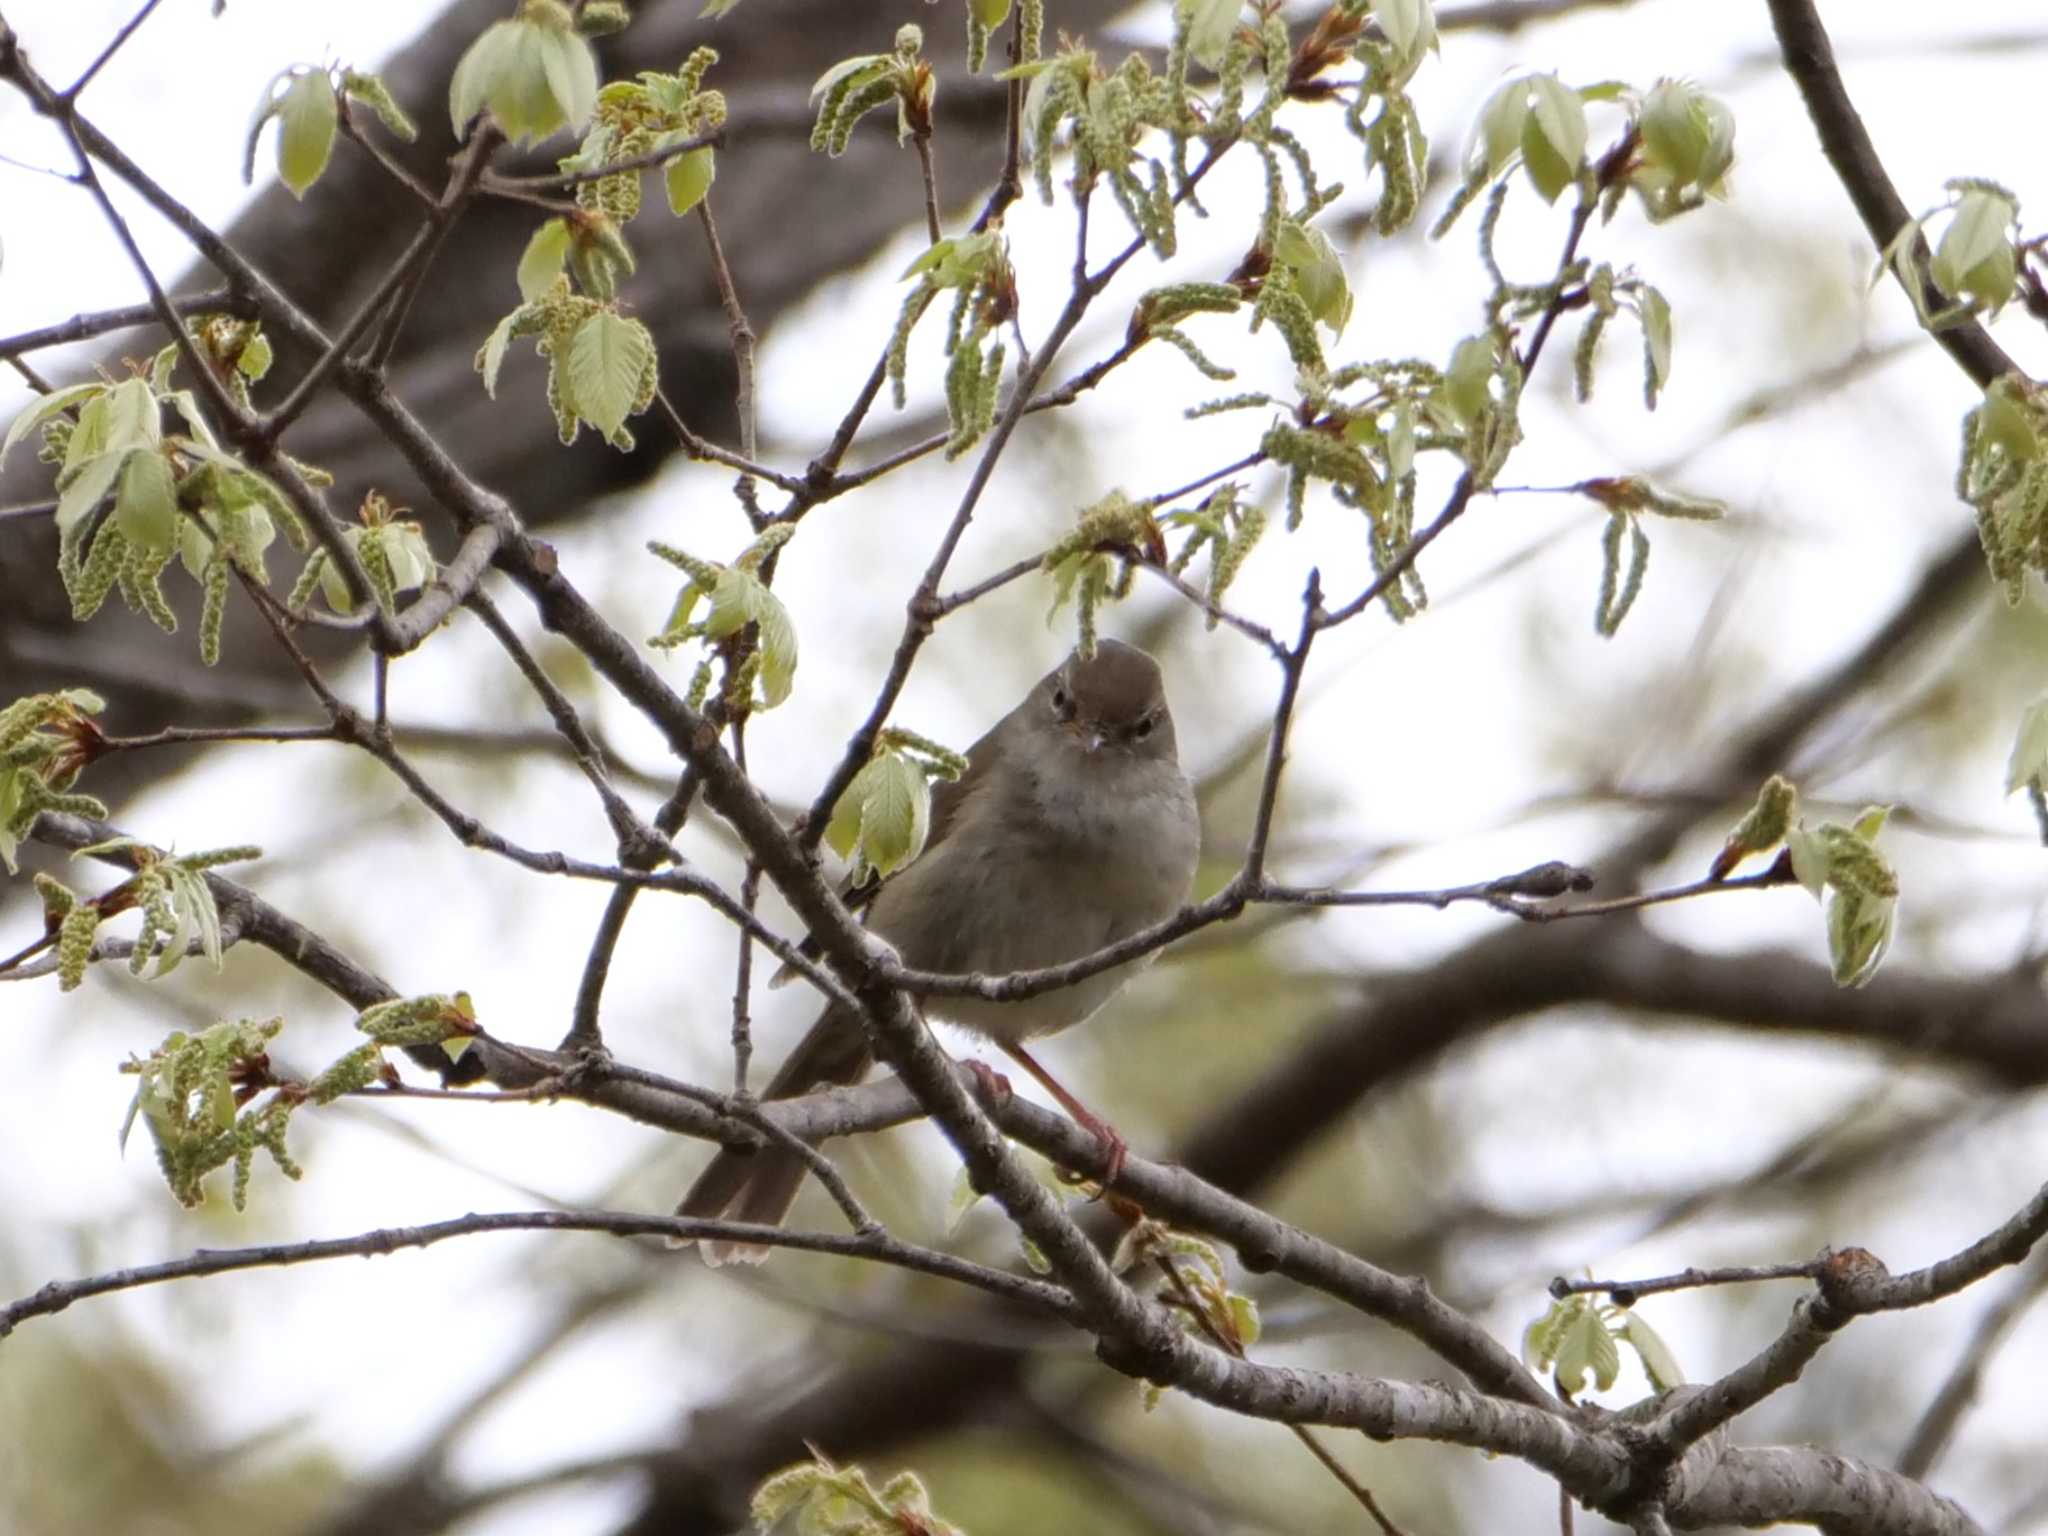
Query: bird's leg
point(1114, 1149)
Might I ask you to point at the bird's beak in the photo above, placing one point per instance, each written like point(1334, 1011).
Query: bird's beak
point(1090, 737)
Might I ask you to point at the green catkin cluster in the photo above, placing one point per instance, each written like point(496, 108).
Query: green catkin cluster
point(2003, 473)
point(187, 1097)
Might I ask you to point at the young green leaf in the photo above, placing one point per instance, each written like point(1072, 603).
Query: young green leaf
point(688, 178)
point(1553, 135)
point(1659, 1363)
point(541, 263)
point(1209, 24)
point(608, 360)
point(1976, 258)
point(41, 409)
point(305, 138)
point(146, 507)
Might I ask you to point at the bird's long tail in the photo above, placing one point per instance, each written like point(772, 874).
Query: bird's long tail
point(760, 1186)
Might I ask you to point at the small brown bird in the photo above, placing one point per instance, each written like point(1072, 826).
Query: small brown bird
point(1073, 827)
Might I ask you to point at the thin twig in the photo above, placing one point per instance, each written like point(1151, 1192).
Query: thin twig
point(874, 1244)
point(498, 185)
point(85, 327)
point(107, 53)
point(923, 141)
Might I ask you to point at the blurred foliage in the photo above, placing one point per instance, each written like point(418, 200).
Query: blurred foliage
point(99, 1437)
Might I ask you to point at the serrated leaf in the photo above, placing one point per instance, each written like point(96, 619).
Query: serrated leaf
point(1553, 136)
point(1659, 1364)
point(895, 815)
point(41, 409)
point(305, 136)
point(477, 71)
point(785, 1491)
point(571, 69)
point(1859, 933)
point(492, 357)
point(132, 418)
point(1501, 122)
point(1978, 230)
point(733, 602)
point(778, 647)
point(539, 265)
point(146, 506)
point(842, 833)
point(687, 179)
point(877, 62)
point(607, 357)
point(1586, 1345)
point(1410, 25)
point(85, 490)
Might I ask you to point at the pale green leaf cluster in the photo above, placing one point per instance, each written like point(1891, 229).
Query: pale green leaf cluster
point(177, 906)
point(191, 1092)
point(1382, 116)
point(1688, 148)
point(737, 599)
point(1227, 526)
point(1682, 142)
point(1360, 429)
point(1315, 272)
point(131, 496)
point(1609, 293)
point(602, 366)
point(1105, 116)
point(1627, 500)
point(534, 71)
point(852, 88)
point(1975, 263)
point(977, 268)
point(647, 115)
point(1580, 1336)
point(1093, 563)
point(589, 244)
point(884, 816)
point(818, 1498)
point(1840, 866)
point(2003, 473)
point(392, 549)
point(1202, 1301)
point(45, 740)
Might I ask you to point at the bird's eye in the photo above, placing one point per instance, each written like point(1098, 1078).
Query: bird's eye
point(1144, 727)
point(1062, 706)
